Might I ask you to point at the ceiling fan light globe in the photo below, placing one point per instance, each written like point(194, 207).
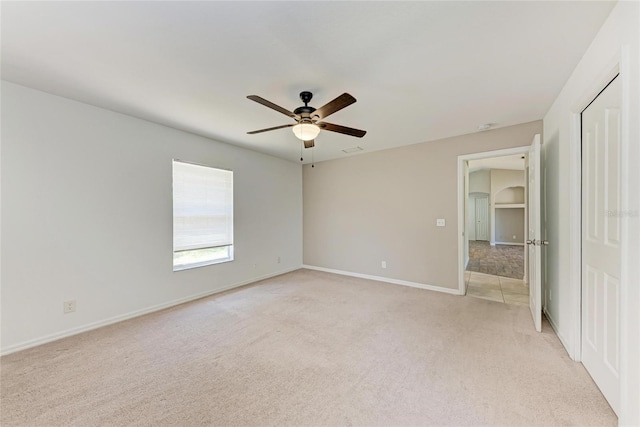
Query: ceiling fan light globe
point(306, 131)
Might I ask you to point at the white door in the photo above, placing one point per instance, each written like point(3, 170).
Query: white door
point(534, 242)
point(482, 218)
point(471, 224)
point(601, 240)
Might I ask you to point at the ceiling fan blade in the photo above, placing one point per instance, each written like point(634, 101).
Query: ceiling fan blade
point(337, 104)
point(268, 129)
point(309, 144)
point(273, 106)
point(342, 129)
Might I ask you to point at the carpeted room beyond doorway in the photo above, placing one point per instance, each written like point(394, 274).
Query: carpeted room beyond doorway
point(498, 260)
point(307, 348)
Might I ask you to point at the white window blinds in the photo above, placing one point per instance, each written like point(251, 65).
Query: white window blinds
point(202, 207)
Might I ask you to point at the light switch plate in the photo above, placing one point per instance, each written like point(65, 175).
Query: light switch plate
point(440, 222)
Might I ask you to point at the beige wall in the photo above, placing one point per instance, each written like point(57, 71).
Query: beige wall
point(509, 223)
point(480, 181)
point(383, 206)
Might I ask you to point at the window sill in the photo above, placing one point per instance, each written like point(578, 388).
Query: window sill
point(200, 264)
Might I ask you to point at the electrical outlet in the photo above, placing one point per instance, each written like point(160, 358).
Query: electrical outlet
point(440, 222)
point(514, 237)
point(69, 306)
point(384, 264)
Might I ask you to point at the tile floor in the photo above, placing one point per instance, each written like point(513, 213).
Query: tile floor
point(497, 288)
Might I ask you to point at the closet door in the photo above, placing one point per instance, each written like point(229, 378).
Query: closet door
point(471, 220)
point(482, 218)
point(601, 241)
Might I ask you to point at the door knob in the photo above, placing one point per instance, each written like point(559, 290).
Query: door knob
point(537, 242)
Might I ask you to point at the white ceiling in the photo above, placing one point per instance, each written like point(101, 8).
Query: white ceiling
point(420, 70)
point(515, 162)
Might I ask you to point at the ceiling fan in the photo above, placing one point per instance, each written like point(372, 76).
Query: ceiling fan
point(308, 119)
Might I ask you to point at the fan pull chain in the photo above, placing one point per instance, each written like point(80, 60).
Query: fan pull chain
point(313, 150)
point(301, 159)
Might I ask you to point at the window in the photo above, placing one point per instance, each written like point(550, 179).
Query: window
point(202, 215)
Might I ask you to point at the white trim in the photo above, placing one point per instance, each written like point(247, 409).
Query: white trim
point(461, 227)
point(629, 342)
point(509, 243)
point(386, 280)
point(574, 346)
point(461, 219)
point(556, 329)
point(508, 205)
point(116, 319)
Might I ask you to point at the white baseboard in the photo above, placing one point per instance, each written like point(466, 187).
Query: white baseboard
point(386, 280)
point(554, 326)
point(95, 325)
point(508, 243)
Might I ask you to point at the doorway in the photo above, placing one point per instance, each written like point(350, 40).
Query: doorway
point(496, 228)
point(532, 206)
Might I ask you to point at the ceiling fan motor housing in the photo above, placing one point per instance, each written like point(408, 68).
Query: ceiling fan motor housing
point(306, 97)
point(305, 112)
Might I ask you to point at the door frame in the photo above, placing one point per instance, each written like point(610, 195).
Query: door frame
point(575, 201)
point(620, 64)
point(462, 176)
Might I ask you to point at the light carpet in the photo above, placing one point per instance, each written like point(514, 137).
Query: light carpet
point(307, 348)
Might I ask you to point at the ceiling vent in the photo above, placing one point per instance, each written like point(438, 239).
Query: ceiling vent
point(352, 150)
point(485, 126)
